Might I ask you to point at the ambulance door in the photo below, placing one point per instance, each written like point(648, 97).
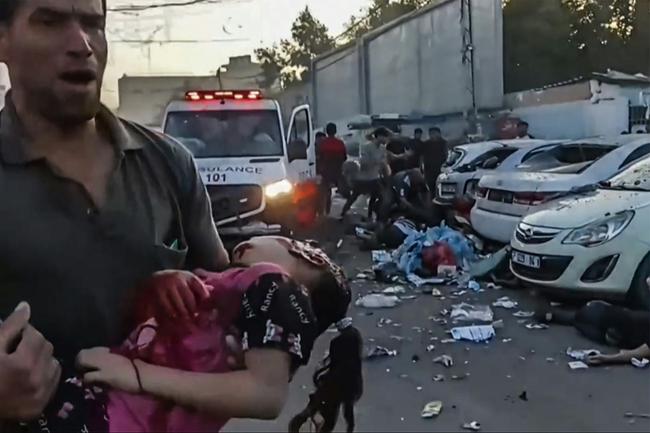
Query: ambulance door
point(301, 150)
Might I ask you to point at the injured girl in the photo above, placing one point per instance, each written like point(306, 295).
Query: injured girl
point(172, 374)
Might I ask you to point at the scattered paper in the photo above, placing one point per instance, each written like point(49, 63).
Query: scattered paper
point(380, 352)
point(582, 355)
point(431, 348)
point(381, 256)
point(640, 363)
point(473, 426)
point(476, 334)
point(534, 326)
point(377, 301)
point(395, 290)
point(439, 378)
point(432, 409)
point(578, 365)
point(505, 302)
point(470, 313)
point(445, 360)
point(419, 281)
point(339, 244)
point(474, 286)
point(524, 314)
point(437, 293)
point(492, 286)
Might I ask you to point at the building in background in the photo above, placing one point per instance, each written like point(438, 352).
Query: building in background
point(143, 99)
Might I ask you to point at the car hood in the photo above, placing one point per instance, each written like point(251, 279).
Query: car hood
point(535, 182)
point(579, 210)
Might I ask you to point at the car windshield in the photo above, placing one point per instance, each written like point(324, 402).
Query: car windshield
point(453, 157)
point(229, 133)
point(636, 177)
point(567, 159)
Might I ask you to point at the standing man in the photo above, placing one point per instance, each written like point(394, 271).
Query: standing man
point(331, 156)
point(433, 155)
point(522, 130)
point(93, 205)
point(415, 148)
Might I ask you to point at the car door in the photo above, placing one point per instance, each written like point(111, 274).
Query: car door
point(301, 151)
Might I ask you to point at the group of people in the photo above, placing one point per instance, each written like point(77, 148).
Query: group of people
point(396, 173)
point(103, 326)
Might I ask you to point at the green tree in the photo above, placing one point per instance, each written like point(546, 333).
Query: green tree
point(551, 41)
point(380, 12)
point(290, 60)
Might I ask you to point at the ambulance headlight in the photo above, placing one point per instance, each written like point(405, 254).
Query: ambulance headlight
point(277, 189)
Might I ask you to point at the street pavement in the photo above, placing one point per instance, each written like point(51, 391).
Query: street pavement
point(499, 372)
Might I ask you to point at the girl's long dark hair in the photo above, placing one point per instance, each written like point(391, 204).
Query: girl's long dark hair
point(339, 381)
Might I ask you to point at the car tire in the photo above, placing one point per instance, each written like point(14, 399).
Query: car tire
point(638, 297)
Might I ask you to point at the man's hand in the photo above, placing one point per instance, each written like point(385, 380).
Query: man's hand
point(29, 375)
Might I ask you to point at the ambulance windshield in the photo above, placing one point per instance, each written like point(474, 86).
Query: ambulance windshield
point(228, 133)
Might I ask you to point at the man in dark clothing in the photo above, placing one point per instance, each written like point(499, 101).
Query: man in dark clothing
point(433, 154)
point(408, 195)
point(396, 152)
point(331, 156)
point(522, 130)
point(93, 205)
point(414, 149)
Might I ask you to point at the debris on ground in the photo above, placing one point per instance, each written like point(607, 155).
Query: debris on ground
point(439, 378)
point(418, 281)
point(473, 426)
point(363, 276)
point(431, 348)
point(524, 314)
point(640, 363)
point(447, 271)
point(437, 293)
point(415, 359)
point(582, 355)
point(477, 334)
point(492, 286)
point(505, 302)
point(381, 256)
point(395, 290)
point(448, 341)
point(473, 286)
point(470, 313)
point(637, 415)
point(380, 352)
point(537, 326)
point(339, 244)
point(523, 396)
point(377, 301)
point(550, 359)
point(432, 409)
point(445, 360)
point(384, 322)
point(578, 365)
point(506, 340)
point(461, 377)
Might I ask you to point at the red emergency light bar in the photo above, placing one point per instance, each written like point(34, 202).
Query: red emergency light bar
point(211, 95)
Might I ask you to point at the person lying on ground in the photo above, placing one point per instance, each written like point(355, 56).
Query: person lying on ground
point(622, 357)
point(608, 324)
point(172, 374)
point(390, 236)
point(408, 195)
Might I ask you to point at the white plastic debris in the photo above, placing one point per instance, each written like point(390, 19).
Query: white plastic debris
point(640, 363)
point(582, 355)
point(381, 256)
point(473, 426)
point(432, 409)
point(445, 360)
point(419, 281)
point(470, 313)
point(377, 301)
point(524, 314)
point(439, 378)
point(492, 286)
point(437, 293)
point(395, 290)
point(448, 341)
point(536, 326)
point(431, 348)
point(339, 244)
point(474, 286)
point(505, 302)
point(578, 365)
point(362, 276)
point(476, 334)
point(380, 352)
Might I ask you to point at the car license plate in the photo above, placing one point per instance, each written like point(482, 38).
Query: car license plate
point(527, 260)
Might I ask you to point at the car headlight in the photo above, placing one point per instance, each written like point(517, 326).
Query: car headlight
point(601, 231)
point(277, 189)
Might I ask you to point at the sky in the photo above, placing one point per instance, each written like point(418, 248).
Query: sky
point(204, 36)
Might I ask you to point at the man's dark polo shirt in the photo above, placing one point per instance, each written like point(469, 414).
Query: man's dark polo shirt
point(78, 266)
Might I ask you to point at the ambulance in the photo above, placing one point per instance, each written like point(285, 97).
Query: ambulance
point(261, 179)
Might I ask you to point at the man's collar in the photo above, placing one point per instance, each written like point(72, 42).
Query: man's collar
point(14, 141)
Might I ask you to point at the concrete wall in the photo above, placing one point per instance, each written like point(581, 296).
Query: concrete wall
point(415, 66)
point(336, 82)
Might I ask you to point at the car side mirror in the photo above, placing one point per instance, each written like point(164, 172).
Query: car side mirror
point(297, 149)
point(490, 163)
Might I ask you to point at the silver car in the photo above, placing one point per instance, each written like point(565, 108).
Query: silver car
point(466, 165)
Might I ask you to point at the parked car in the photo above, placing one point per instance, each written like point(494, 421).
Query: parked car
point(503, 199)
point(461, 181)
point(596, 243)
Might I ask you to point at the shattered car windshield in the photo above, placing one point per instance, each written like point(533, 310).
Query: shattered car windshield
point(636, 177)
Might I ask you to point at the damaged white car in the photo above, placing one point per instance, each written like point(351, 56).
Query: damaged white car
point(597, 244)
point(503, 199)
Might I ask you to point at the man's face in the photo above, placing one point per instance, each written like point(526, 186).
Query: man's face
point(56, 52)
point(418, 135)
point(434, 134)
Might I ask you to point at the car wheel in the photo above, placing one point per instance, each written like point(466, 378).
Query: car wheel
point(638, 296)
